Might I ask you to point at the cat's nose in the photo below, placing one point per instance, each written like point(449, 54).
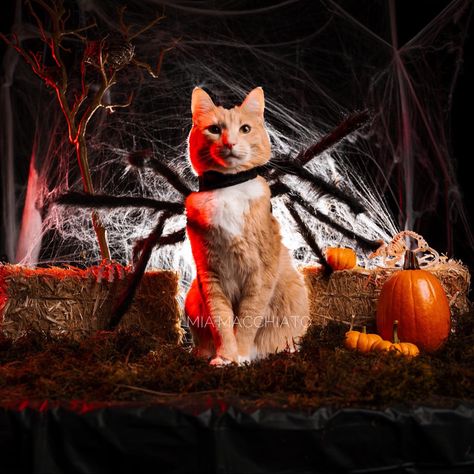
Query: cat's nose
point(227, 141)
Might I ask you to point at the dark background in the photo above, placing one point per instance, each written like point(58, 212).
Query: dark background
point(412, 16)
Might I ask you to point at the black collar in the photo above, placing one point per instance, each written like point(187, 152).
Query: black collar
point(214, 180)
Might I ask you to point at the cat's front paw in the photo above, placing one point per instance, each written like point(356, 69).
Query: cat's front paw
point(242, 360)
point(219, 361)
point(247, 356)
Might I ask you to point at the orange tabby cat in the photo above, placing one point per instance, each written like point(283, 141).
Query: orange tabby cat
point(247, 300)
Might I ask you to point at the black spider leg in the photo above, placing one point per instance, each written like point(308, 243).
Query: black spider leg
point(143, 247)
point(100, 201)
point(344, 129)
point(280, 188)
point(278, 167)
point(126, 298)
point(318, 183)
point(173, 238)
point(168, 239)
point(171, 176)
point(308, 237)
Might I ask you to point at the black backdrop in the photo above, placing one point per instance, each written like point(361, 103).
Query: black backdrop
point(411, 17)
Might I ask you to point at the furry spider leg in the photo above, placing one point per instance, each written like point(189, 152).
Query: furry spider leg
point(278, 189)
point(344, 129)
point(168, 239)
point(295, 166)
point(173, 238)
point(318, 183)
point(308, 237)
point(101, 201)
point(142, 247)
point(126, 298)
point(171, 176)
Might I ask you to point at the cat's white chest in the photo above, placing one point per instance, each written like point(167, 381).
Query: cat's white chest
point(224, 208)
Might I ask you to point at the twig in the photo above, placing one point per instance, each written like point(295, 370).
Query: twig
point(111, 107)
point(153, 73)
point(145, 390)
point(167, 394)
point(146, 27)
point(79, 30)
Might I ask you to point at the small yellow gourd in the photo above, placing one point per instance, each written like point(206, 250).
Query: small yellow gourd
point(364, 342)
point(360, 341)
point(404, 348)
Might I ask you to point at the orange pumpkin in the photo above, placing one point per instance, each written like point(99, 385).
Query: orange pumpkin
point(340, 258)
point(382, 345)
point(417, 300)
point(403, 348)
point(361, 341)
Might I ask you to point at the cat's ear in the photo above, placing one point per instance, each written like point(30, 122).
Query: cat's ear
point(201, 103)
point(254, 102)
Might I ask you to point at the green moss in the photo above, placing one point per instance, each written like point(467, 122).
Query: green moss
point(128, 366)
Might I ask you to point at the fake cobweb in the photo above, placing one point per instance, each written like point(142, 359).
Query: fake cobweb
point(317, 62)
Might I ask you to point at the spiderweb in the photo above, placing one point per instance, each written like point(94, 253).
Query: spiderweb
point(317, 62)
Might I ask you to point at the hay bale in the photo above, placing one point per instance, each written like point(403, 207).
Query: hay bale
point(71, 301)
point(355, 292)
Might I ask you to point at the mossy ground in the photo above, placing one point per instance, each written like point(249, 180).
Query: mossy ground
point(134, 366)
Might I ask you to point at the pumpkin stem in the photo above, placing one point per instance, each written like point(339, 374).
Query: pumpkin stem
point(411, 261)
point(364, 329)
point(396, 340)
point(352, 322)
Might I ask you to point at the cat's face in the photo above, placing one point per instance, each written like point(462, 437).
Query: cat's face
point(228, 140)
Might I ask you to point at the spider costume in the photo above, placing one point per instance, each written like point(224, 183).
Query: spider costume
point(273, 171)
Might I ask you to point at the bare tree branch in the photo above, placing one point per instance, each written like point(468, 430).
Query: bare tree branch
point(146, 27)
point(79, 30)
point(154, 73)
point(111, 107)
point(79, 106)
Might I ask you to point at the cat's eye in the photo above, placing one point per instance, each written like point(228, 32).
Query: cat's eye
point(245, 128)
point(214, 129)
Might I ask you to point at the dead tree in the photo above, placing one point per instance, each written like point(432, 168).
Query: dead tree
point(102, 60)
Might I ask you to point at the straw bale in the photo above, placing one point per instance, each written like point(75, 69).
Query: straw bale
point(355, 292)
point(71, 301)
